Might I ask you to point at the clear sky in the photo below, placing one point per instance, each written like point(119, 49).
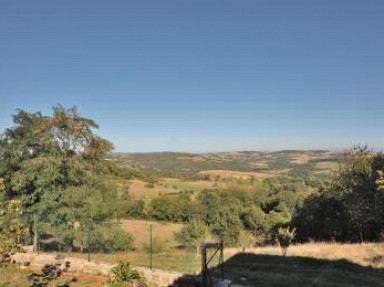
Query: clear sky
point(210, 75)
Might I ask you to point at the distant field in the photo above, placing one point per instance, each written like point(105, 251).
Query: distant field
point(142, 190)
point(242, 174)
point(140, 230)
point(326, 166)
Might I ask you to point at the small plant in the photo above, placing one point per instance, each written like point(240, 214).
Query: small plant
point(285, 238)
point(124, 275)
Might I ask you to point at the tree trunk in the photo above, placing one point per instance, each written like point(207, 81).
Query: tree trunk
point(35, 241)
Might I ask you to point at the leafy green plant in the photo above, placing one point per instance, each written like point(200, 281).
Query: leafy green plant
point(124, 275)
point(11, 230)
point(194, 233)
point(285, 237)
point(111, 238)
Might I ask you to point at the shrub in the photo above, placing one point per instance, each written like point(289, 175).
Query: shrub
point(124, 275)
point(285, 237)
point(110, 239)
point(246, 239)
point(194, 233)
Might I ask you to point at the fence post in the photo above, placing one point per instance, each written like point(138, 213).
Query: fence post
point(204, 264)
point(35, 235)
point(150, 246)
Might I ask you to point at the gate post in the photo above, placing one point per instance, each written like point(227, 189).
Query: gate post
point(204, 264)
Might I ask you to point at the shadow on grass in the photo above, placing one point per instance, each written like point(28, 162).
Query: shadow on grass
point(276, 271)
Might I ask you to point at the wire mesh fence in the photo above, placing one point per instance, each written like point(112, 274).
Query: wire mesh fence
point(151, 250)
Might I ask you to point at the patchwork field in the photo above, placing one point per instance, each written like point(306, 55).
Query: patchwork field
point(139, 189)
point(263, 164)
point(242, 174)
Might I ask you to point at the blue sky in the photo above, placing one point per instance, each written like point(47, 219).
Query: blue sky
point(201, 75)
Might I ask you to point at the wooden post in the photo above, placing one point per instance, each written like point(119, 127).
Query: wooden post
point(150, 247)
point(204, 264)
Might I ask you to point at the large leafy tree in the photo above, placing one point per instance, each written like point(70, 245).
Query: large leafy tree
point(51, 164)
point(194, 233)
point(352, 207)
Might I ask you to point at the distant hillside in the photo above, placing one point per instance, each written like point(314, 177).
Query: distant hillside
point(261, 164)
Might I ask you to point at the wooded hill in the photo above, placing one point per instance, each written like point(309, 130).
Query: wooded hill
point(250, 163)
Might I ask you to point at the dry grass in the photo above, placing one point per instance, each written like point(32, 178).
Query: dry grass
point(362, 254)
point(243, 174)
point(140, 230)
point(260, 164)
point(326, 165)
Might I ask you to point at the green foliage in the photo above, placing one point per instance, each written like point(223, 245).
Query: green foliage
point(194, 233)
point(180, 208)
point(352, 207)
point(52, 164)
point(11, 229)
point(246, 239)
point(255, 220)
point(110, 238)
point(124, 275)
point(285, 237)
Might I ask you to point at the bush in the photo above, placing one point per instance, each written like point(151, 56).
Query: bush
point(124, 275)
point(194, 233)
point(246, 239)
point(108, 239)
point(285, 237)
